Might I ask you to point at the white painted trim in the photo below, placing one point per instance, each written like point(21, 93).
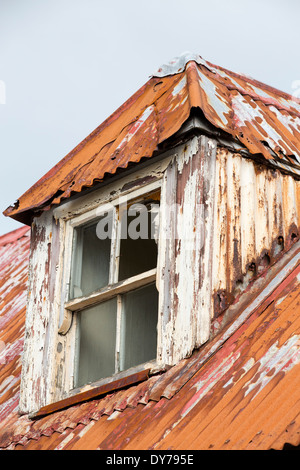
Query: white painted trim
point(114, 288)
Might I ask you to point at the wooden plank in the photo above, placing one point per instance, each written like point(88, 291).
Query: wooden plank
point(275, 212)
point(220, 223)
point(189, 224)
point(122, 381)
point(166, 265)
point(261, 213)
point(290, 216)
point(233, 229)
point(206, 246)
point(185, 254)
point(36, 352)
point(248, 200)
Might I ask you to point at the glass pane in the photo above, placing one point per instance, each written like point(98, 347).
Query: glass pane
point(138, 249)
point(97, 342)
point(91, 258)
point(139, 324)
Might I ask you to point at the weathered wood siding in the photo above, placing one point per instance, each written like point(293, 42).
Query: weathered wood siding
point(42, 314)
point(185, 253)
point(257, 216)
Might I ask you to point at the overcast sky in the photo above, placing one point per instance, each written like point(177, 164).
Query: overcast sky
point(68, 64)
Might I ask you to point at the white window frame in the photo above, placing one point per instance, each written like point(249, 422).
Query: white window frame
point(68, 317)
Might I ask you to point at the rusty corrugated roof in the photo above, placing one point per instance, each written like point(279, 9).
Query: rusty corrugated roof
point(263, 120)
point(239, 391)
point(14, 254)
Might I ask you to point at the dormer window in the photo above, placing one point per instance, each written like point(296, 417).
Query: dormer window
point(117, 293)
point(112, 289)
point(119, 282)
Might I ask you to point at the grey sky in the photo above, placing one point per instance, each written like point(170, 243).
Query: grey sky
point(68, 64)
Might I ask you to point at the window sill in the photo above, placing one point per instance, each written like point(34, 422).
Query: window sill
point(97, 389)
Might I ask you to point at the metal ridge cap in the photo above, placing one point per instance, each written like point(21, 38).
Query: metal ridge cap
point(178, 64)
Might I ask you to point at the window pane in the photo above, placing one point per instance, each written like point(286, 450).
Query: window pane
point(139, 323)
point(138, 250)
point(97, 342)
point(91, 257)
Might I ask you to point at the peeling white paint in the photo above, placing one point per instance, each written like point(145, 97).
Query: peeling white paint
point(277, 358)
point(254, 206)
point(185, 256)
point(136, 126)
point(180, 85)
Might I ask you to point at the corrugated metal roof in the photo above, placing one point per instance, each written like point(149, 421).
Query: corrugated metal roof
point(239, 391)
point(14, 254)
point(263, 120)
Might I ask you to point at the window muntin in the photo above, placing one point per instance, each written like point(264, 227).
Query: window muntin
point(112, 290)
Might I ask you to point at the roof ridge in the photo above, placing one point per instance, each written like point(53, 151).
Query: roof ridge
point(178, 64)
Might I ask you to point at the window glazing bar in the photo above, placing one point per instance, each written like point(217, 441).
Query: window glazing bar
point(108, 292)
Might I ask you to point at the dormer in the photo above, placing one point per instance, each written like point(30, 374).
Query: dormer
point(145, 235)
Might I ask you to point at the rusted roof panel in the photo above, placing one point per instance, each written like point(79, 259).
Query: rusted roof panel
point(239, 391)
point(263, 120)
point(14, 254)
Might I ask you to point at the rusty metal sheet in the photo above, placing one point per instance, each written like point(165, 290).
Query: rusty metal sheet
point(264, 120)
point(14, 254)
point(243, 393)
point(239, 391)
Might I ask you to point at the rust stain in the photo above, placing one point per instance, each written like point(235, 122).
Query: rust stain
point(14, 257)
point(257, 222)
